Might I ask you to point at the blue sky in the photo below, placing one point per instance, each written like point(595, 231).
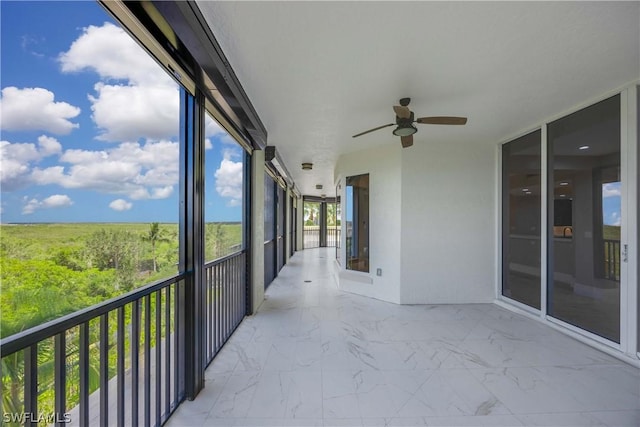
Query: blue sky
point(90, 124)
point(611, 203)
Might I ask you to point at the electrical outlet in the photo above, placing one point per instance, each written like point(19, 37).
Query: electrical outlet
point(379, 272)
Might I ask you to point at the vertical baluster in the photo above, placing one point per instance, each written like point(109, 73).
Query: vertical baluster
point(228, 280)
point(223, 310)
point(147, 360)
point(84, 373)
point(31, 382)
point(216, 281)
point(237, 287)
point(158, 356)
point(214, 309)
point(176, 330)
point(232, 288)
point(236, 279)
point(225, 287)
point(120, 366)
point(167, 351)
point(104, 370)
point(60, 356)
point(209, 290)
point(243, 300)
point(135, 360)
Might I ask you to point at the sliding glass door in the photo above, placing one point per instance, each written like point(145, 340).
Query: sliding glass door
point(521, 218)
point(585, 217)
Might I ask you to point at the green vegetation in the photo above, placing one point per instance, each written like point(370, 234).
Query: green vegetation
point(611, 232)
point(50, 270)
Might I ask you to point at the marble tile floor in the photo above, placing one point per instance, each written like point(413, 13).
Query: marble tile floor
point(316, 356)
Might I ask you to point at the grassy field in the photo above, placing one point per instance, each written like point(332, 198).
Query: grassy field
point(89, 262)
point(611, 232)
point(40, 240)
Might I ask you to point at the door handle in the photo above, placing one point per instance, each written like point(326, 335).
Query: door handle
point(624, 253)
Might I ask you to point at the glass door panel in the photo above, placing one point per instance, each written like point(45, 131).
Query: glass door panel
point(521, 205)
point(585, 219)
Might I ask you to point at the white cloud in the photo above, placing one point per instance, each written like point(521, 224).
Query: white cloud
point(54, 201)
point(113, 54)
point(212, 129)
point(611, 189)
point(48, 146)
point(120, 205)
point(18, 158)
point(35, 109)
point(146, 171)
point(614, 219)
point(229, 180)
point(83, 156)
point(162, 192)
point(127, 113)
point(136, 97)
point(207, 144)
point(30, 207)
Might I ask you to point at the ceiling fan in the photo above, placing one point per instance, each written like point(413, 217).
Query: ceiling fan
point(405, 121)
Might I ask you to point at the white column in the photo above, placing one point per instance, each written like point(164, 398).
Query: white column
point(287, 226)
point(256, 280)
point(300, 224)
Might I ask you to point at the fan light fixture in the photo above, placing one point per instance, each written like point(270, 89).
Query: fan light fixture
point(405, 130)
point(307, 166)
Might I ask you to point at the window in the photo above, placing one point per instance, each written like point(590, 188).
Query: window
point(224, 192)
point(357, 222)
point(90, 160)
point(90, 191)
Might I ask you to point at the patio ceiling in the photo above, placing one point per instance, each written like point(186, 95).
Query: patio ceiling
point(319, 72)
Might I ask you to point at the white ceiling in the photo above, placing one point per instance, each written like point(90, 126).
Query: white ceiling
point(319, 72)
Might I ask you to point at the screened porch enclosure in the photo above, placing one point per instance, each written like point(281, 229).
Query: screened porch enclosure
point(321, 222)
point(486, 275)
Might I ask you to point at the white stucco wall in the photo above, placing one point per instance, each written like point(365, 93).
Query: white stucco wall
point(384, 169)
point(448, 223)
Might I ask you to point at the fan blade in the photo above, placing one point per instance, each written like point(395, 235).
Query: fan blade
point(374, 129)
point(406, 141)
point(442, 120)
point(402, 111)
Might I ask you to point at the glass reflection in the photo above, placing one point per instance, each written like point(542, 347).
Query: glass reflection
point(584, 219)
point(521, 206)
point(357, 218)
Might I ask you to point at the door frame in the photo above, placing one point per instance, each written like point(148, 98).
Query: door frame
point(629, 346)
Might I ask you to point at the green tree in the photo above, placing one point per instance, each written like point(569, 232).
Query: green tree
point(118, 250)
point(70, 258)
point(154, 236)
point(331, 215)
point(311, 213)
point(216, 240)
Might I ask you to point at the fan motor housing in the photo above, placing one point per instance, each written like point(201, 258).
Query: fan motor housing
point(405, 122)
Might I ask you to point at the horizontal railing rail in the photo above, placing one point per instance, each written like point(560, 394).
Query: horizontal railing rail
point(311, 237)
point(114, 363)
point(24, 339)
